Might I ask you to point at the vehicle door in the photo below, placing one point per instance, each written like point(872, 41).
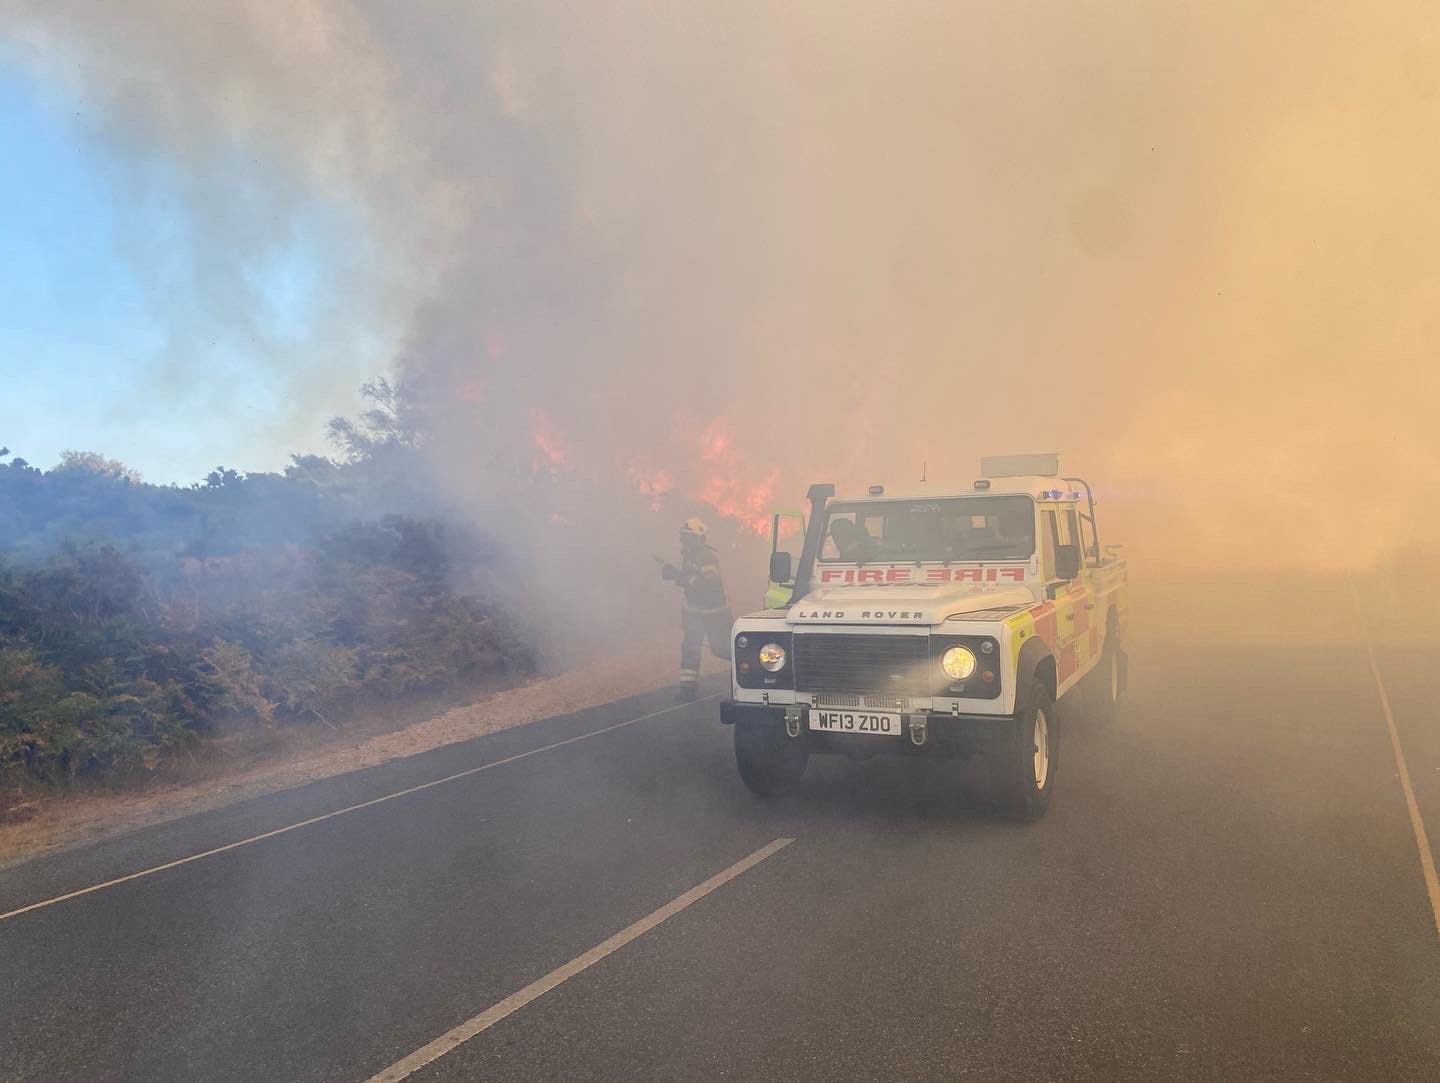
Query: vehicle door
point(787, 535)
point(1071, 596)
point(1102, 581)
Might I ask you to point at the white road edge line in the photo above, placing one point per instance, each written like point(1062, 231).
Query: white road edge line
point(340, 812)
point(536, 989)
point(1417, 825)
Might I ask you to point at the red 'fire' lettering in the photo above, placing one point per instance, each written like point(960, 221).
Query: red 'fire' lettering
point(932, 575)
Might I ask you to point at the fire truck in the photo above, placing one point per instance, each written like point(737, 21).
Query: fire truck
point(935, 624)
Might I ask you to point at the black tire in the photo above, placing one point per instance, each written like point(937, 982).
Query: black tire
point(770, 763)
point(1105, 684)
point(1015, 766)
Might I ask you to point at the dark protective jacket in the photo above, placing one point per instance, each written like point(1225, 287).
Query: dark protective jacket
point(700, 579)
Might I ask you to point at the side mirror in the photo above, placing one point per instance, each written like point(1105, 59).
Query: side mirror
point(1067, 561)
point(780, 568)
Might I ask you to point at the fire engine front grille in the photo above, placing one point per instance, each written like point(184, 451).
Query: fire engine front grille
point(896, 665)
point(875, 702)
point(888, 703)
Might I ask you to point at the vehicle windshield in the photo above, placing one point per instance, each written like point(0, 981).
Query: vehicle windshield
point(967, 528)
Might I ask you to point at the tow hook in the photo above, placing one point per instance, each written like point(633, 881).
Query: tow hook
point(792, 721)
point(919, 729)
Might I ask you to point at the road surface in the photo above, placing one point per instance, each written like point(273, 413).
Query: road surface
point(1228, 885)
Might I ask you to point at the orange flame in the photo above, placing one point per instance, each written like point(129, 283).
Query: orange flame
point(648, 480)
point(552, 450)
point(730, 484)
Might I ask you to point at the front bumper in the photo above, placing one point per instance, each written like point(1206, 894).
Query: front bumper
point(924, 732)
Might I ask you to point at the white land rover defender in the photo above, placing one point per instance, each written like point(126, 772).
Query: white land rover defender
point(935, 624)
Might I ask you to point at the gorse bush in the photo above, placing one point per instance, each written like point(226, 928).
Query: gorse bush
point(102, 675)
point(75, 696)
point(138, 620)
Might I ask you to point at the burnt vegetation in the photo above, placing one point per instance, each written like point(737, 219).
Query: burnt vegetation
point(139, 621)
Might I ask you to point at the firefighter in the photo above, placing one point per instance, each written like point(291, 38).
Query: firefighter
point(706, 614)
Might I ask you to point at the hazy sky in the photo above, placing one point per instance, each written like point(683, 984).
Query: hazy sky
point(99, 310)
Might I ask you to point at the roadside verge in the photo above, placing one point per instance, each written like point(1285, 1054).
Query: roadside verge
point(61, 823)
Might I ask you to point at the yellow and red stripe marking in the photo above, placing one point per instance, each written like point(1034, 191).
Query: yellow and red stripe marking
point(1072, 624)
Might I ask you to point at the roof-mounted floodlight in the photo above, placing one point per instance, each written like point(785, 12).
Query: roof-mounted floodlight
point(1046, 465)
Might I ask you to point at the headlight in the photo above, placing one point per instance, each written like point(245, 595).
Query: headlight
point(772, 658)
point(958, 663)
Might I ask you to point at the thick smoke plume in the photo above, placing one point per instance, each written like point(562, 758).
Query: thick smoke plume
point(711, 252)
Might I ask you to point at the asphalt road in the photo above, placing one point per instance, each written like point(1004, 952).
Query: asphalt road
point(1227, 886)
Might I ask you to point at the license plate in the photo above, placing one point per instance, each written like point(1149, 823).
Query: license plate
point(880, 723)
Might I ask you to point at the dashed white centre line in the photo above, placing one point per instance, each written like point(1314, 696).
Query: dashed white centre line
point(338, 812)
point(1417, 824)
point(538, 988)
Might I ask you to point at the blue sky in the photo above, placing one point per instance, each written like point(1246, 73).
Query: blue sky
point(104, 343)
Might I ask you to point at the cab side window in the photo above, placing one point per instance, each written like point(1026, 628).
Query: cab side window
point(1090, 548)
point(1065, 530)
point(1049, 538)
point(1069, 528)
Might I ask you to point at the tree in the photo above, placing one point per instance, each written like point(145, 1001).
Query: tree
point(92, 462)
point(222, 476)
point(391, 422)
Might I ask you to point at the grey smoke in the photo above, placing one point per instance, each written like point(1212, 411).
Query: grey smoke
point(1192, 246)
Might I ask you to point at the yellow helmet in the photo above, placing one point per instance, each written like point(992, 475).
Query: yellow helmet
point(693, 528)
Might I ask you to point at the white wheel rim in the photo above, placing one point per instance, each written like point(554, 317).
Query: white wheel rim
point(1042, 748)
point(1114, 678)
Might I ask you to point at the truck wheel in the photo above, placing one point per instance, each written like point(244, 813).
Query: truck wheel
point(770, 763)
point(1105, 685)
point(1028, 756)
